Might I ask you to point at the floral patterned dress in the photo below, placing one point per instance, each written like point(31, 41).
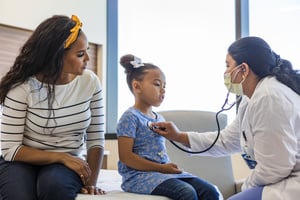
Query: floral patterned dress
point(147, 144)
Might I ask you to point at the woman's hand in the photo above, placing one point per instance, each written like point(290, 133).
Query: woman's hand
point(78, 165)
point(93, 190)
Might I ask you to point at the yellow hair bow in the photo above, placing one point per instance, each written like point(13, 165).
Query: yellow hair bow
point(74, 31)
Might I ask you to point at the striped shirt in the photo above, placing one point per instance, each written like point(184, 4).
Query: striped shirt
point(76, 117)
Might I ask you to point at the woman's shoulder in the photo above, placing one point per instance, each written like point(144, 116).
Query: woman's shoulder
point(270, 88)
point(31, 84)
point(89, 75)
point(89, 80)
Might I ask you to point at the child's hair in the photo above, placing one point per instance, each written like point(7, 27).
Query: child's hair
point(134, 68)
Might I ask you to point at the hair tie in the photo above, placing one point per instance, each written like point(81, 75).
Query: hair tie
point(136, 62)
point(276, 69)
point(74, 31)
point(278, 62)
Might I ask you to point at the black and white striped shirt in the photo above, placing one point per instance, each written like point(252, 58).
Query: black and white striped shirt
point(77, 116)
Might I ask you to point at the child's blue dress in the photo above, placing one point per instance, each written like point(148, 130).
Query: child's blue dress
point(147, 144)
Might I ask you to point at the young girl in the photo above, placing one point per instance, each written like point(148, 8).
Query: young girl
point(144, 163)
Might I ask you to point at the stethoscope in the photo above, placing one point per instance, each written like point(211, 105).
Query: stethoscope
point(223, 108)
point(238, 100)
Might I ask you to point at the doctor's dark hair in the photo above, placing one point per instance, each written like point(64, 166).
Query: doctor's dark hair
point(134, 68)
point(264, 62)
point(41, 54)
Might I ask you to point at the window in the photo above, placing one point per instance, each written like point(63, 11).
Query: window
point(277, 22)
point(188, 40)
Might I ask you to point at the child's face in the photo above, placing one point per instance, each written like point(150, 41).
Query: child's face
point(152, 88)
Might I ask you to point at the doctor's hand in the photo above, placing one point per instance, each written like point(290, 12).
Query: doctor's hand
point(166, 129)
point(170, 131)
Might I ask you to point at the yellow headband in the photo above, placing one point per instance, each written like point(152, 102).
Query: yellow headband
point(74, 31)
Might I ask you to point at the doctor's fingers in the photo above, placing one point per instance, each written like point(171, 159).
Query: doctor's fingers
point(169, 127)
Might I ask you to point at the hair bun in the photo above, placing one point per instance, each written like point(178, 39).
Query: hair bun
point(126, 59)
point(130, 62)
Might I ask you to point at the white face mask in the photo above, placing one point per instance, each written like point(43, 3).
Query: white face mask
point(235, 88)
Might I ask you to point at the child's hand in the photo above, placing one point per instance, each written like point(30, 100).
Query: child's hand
point(170, 168)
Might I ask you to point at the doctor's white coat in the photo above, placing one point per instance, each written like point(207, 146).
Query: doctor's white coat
point(270, 121)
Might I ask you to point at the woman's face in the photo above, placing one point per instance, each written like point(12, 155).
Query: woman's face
point(234, 69)
point(241, 73)
point(76, 58)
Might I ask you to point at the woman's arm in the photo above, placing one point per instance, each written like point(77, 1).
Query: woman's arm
point(95, 138)
point(94, 159)
point(41, 157)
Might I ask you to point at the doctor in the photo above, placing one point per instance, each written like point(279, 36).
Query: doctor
point(267, 127)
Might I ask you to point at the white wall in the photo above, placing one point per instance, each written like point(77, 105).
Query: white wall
point(29, 13)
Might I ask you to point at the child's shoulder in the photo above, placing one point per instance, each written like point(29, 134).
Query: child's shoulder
point(130, 113)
